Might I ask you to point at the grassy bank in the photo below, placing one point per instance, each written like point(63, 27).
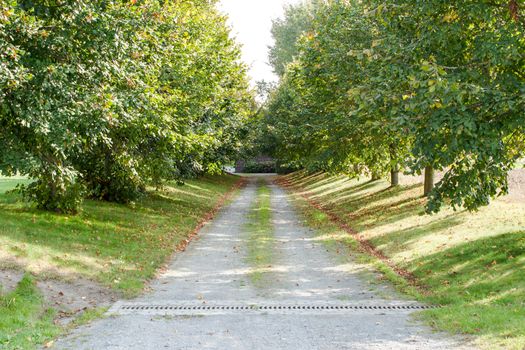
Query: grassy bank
point(471, 263)
point(120, 246)
point(260, 231)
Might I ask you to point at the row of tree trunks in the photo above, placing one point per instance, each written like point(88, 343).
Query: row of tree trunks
point(394, 172)
point(394, 178)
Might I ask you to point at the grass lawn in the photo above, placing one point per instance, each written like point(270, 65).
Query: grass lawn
point(471, 263)
point(260, 231)
point(119, 246)
point(8, 183)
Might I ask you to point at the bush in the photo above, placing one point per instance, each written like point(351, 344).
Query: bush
point(115, 180)
point(286, 168)
point(55, 190)
point(263, 167)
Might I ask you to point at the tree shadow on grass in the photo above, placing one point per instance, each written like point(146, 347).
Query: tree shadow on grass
point(325, 183)
point(102, 230)
point(381, 215)
point(345, 194)
point(397, 241)
point(303, 179)
point(368, 204)
point(380, 195)
point(482, 286)
point(134, 235)
point(478, 269)
point(381, 207)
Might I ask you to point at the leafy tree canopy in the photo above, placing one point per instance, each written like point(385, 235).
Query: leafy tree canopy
point(102, 97)
point(378, 86)
point(287, 31)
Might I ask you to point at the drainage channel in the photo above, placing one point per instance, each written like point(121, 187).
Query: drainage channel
point(217, 308)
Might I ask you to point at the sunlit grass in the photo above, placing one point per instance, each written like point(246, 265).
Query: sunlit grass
point(118, 245)
point(472, 263)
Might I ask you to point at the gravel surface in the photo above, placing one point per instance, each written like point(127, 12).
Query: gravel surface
point(214, 270)
point(305, 269)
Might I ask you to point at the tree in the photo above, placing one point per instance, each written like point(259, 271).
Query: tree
point(104, 97)
point(382, 86)
point(287, 31)
point(355, 131)
point(465, 105)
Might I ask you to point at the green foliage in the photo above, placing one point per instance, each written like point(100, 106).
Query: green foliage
point(114, 179)
point(287, 31)
point(261, 167)
point(114, 94)
point(377, 86)
point(286, 168)
point(58, 193)
point(466, 94)
point(331, 128)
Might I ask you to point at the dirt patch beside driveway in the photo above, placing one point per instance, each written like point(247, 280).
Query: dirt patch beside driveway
point(69, 298)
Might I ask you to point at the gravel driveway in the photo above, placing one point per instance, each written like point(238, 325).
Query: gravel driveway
point(310, 299)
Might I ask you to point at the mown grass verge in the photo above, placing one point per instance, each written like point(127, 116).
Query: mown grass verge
point(119, 246)
point(260, 235)
point(470, 263)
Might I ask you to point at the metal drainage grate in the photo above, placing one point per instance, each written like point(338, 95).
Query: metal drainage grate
point(218, 308)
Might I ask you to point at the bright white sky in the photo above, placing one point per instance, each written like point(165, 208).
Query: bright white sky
point(251, 21)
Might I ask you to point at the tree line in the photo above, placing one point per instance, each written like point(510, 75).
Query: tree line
point(102, 98)
point(380, 87)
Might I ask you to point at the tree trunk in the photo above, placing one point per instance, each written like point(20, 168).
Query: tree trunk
point(514, 10)
point(394, 175)
point(429, 180)
point(394, 171)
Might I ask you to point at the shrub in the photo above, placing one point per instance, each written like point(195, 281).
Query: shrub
point(262, 167)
